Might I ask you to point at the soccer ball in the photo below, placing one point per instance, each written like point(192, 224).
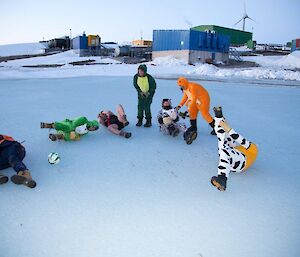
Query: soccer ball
point(53, 158)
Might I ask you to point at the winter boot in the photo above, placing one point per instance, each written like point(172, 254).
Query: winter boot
point(212, 124)
point(218, 112)
point(3, 179)
point(47, 125)
point(220, 182)
point(148, 123)
point(140, 122)
point(54, 137)
point(191, 134)
point(125, 134)
point(23, 178)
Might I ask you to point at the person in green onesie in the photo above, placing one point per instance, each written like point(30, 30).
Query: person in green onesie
point(145, 86)
point(70, 130)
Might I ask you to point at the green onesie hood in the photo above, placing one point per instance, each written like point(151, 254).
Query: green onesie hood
point(143, 67)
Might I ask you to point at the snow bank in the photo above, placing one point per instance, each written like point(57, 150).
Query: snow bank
point(207, 70)
point(60, 58)
point(22, 49)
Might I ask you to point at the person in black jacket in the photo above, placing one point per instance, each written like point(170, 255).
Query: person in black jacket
point(145, 86)
point(11, 155)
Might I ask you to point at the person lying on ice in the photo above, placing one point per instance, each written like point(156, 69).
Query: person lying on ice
point(71, 129)
point(11, 155)
point(236, 153)
point(168, 118)
point(115, 123)
point(197, 99)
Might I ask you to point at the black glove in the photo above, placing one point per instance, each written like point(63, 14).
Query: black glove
point(183, 114)
point(160, 120)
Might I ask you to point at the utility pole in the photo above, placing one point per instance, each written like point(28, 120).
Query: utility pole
point(70, 38)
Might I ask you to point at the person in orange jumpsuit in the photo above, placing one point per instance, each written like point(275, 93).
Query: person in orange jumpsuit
point(197, 99)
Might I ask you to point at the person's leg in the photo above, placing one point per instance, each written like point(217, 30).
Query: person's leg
point(15, 155)
point(141, 104)
point(64, 125)
point(224, 167)
point(121, 115)
point(140, 114)
point(193, 112)
point(59, 136)
point(237, 137)
point(47, 125)
point(4, 163)
point(115, 130)
point(148, 115)
point(204, 109)
point(23, 175)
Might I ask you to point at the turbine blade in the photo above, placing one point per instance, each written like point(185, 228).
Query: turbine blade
point(238, 22)
point(251, 19)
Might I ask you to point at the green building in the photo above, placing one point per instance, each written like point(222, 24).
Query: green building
point(237, 37)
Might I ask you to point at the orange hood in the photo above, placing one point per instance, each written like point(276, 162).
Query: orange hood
point(183, 82)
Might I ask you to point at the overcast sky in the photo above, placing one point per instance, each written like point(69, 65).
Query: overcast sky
point(23, 21)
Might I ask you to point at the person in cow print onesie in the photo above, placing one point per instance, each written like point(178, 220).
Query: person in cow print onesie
point(168, 119)
point(236, 153)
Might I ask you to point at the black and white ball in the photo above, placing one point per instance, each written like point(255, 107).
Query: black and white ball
point(53, 158)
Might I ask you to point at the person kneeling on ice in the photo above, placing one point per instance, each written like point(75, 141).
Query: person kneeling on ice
point(168, 118)
point(236, 153)
point(11, 155)
point(115, 123)
point(197, 99)
point(69, 130)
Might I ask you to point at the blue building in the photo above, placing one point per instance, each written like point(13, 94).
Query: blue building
point(87, 45)
point(191, 45)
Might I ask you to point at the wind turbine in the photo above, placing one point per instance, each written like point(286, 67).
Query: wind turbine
point(245, 16)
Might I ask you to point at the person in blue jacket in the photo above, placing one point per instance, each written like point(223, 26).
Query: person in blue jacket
point(12, 154)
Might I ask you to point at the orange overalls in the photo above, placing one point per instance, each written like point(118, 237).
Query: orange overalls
point(196, 98)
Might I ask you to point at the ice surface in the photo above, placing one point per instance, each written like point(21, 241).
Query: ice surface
point(149, 195)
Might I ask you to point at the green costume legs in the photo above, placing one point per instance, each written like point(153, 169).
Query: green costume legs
point(144, 106)
point(64, 125)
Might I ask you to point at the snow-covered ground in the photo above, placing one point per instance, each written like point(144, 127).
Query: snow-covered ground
point(22, 49)
point(280, 69)
point(149, 195)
